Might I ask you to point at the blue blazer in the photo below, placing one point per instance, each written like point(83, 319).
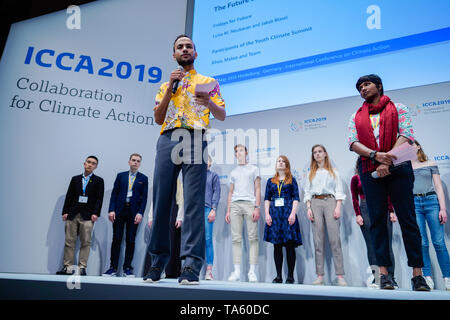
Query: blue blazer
point(138, 200)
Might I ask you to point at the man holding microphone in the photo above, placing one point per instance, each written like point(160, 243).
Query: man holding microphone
point(183, 113)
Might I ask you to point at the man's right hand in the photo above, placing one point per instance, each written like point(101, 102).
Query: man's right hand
point(227, 217)
point(112, 216)
point(64, 217)
point(176, 75)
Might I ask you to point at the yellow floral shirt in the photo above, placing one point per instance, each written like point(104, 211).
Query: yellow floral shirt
point(182, 111)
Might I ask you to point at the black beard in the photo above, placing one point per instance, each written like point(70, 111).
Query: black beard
point(184, 63)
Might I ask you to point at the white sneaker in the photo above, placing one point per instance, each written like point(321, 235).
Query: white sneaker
point(208, 274)
point(430, 282)
point(234, 276)
point(341, 282)
point(252, 276)
point(318, 282)
point(447, 283)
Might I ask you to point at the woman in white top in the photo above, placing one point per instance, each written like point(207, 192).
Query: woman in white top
point(323, 196)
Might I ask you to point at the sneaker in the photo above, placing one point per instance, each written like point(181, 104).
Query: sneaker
point(418, 283)
point(234, 276)
point(290, 280)
point(65, 271)
point(341, 282)
point(188, 277)
point(128, 273)
point(394, 282)
point(430, 282)
point(252, 276)
point(386, 282)
point(111, 272)
point(208, 274)
point(153, 275)
point(277, 279)
point(318, 282)
point(447, 283)
point(83, 272)
point(373, 285)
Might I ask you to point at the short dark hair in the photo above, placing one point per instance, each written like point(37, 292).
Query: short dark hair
point(135, 155)
point(182, 36)
point(240, 145)
point(93, 157)
point(371, 78)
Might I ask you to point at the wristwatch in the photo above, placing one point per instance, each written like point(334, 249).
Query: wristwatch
point(257, 207)
point(372, 156)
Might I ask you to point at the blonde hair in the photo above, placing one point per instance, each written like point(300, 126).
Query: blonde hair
point(421, 156)
point(314, 166)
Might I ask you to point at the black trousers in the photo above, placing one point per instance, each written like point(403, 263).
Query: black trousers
point(399, 186)
point(365, 229)
point(124, 220)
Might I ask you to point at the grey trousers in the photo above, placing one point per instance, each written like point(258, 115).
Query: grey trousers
point(323, 210)
point(193, 168)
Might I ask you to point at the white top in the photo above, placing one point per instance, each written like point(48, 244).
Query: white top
point(243, 178)
point(324, 183)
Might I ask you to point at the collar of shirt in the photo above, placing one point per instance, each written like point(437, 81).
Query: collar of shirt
point(131, 174)
point(88, 177)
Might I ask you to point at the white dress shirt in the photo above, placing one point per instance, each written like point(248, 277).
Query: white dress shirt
point(324, 183)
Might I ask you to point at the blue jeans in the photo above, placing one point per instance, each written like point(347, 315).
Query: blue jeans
point(209, 238)
point(427, 212)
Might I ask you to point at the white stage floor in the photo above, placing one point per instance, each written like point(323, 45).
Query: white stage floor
point(41, 286)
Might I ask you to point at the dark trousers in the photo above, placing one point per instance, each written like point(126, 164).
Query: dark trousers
point(176, 150)
point(365, 229)
point(173, 268)
point(124, 220)
point(399, 186)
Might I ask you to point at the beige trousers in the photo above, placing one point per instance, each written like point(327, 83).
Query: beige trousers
point(323, 210)
point(240, 211)
point(74, 228)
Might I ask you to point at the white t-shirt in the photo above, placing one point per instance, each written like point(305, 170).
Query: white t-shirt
point(243, 177)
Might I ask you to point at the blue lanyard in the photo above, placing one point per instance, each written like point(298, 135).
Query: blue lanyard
point(85, 182)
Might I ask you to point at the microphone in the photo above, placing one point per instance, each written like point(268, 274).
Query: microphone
point(375, 173)
point(176, 82)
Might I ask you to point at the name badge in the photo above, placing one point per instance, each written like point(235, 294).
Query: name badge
point(83, 199)
point(279, 202)
point(129, 194)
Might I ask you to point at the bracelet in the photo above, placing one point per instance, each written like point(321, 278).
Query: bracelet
point(257, 207)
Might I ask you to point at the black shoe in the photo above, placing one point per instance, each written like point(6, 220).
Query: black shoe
point(65, 272)
point(278, 279)
point(188, 276)
point(419, 284)
point(386, 282)
point(153, 275)
point(394, 282)
point(82, 271)
point(290, 280)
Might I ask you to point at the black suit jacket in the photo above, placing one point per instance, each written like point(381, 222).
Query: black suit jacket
point(94, 191)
